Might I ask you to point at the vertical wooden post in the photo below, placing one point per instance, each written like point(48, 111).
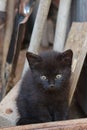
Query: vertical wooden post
point(62, 24)
point(7, 38)
point(38, 28)
point(79, 14)
point(78, 44)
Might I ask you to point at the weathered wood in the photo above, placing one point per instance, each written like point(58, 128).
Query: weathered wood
point(3, 5)
point(7, 38)
point(77, 41)
point(8, 110)
point(2, 30)
point(81, 91)
point(19, 27)
point(39, 25)
point(48, 33)
point(38, 28)
point(18, 42)
point(62, 24)
point(80, 124)
point(78, 13)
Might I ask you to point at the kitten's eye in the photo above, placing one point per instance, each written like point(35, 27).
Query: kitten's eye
point(58, 76)
point(43, 77)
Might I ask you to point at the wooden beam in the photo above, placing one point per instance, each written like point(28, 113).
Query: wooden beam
point(78, 13)
point(8, 109)
point(80, 124)
point(62, 24)
point(38, 28)
point(77, 41)
point(6, 43)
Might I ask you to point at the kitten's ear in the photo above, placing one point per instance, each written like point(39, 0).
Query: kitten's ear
point(67, 57)
point(33, 59)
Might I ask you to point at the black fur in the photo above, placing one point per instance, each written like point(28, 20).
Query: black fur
point(43, 96)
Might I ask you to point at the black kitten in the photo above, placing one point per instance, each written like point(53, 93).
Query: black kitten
point(44, 92)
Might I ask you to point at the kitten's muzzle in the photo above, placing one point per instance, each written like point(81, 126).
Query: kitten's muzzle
point(51, 85)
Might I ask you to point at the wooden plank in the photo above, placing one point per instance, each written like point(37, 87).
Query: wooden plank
point(62, 24)
point(80, 124)
point(78, 13)
point(77, 41)
point(81, 91)
point(3, 5)
point(8, 109)
point(6, 44)
point(38, 29)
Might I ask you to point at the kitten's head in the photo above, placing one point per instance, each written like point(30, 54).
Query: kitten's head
point(51, 70)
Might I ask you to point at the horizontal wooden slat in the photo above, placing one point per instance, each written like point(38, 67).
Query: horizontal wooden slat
point(80, 124)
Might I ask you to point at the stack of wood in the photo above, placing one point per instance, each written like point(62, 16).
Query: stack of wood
point(8, 110)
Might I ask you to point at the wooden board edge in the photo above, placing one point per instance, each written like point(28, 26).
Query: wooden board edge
point(77, 124)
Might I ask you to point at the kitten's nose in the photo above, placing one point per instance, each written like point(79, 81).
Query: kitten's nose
point(51, 85)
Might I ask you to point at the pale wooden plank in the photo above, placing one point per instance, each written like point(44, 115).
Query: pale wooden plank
point(77, 41)
point(38, 29)
point(3, 5)
point(62, 24)
point(79, 14)
point(8, 109)
point(80, 124)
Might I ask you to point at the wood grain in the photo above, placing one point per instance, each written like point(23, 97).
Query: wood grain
point(62, 25)
point(77, 41)
point(80, 124)
point(6, 43)
point(38, 29)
